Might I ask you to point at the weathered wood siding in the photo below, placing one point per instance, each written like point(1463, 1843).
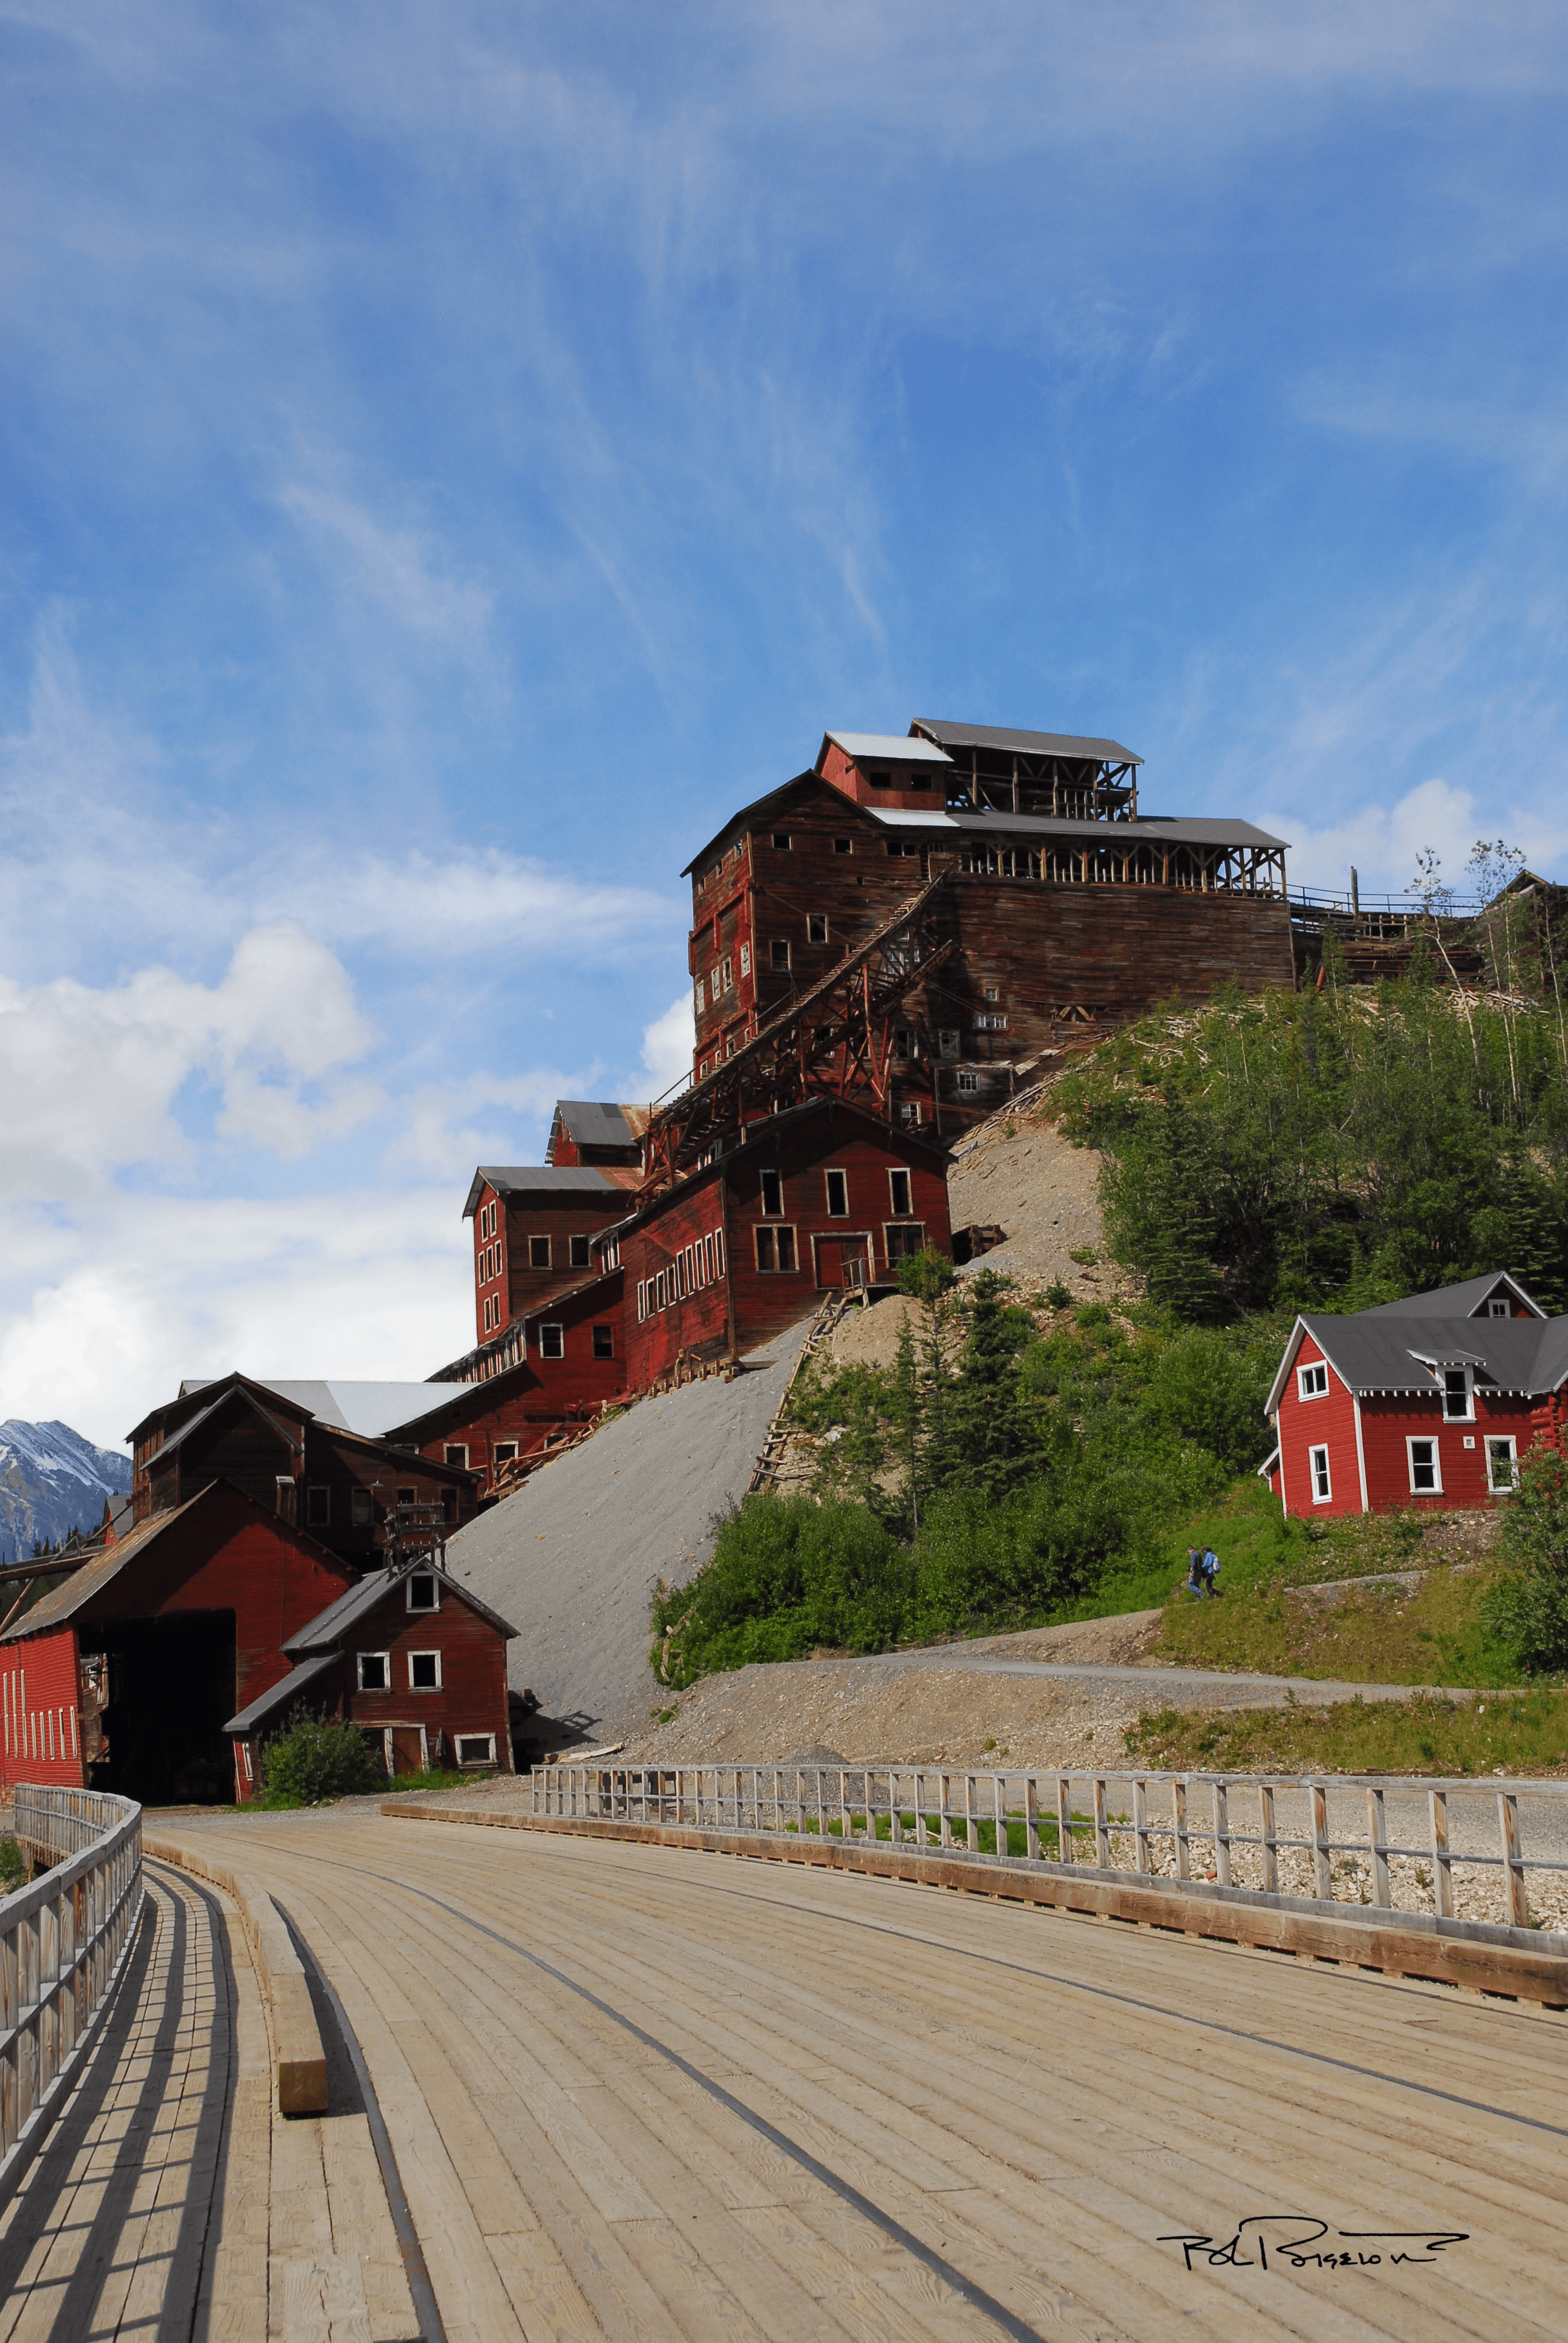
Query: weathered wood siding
point(472, 1695)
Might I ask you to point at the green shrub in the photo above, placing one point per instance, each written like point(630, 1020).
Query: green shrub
point(310, 1761)
point(1528, 1610)
point(13, 1869)
point(1060, 1296)
point(786, 1574)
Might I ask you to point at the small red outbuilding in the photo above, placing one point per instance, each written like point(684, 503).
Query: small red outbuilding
point(1429, 1402)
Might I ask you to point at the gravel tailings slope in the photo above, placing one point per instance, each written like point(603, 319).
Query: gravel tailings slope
point(572, 1559)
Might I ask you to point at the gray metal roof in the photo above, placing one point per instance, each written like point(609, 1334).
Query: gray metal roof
point(328, 1628)
point(599, 1123)
point(545, 1180)
point(1464, 1301)
point(901, 748)
point(370, 1410)
point(1197, 831)
point(1380, 1351)
point(287, 1688)
point(1028, 744)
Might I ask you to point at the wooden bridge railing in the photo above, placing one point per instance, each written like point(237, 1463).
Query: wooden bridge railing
point(1226, 1827)
point(64, 1940)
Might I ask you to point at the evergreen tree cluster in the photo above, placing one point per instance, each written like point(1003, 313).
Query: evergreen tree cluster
point(1334, 1147)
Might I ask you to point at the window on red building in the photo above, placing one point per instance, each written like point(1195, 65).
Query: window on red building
point(837, 1188)
point(318, 1507)
point(552, 1341)
point(1425, 1470)
point(374, 1670)
point(1323, 1488)
point(604, 1342)
point(538, 1253)
point(773, 1192)
point(424, 1671)
point(898, 1190)
point(776, 1249)
point(580, 1246)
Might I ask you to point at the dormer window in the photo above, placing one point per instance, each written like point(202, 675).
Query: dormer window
point(1497, 1310)
point(881, 781)
point(1457, 1403)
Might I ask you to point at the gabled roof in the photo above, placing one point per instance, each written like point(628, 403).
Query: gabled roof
point(600, 1122)
point(760, 805)
point(901, 748)
point(1465, 1301)
point(1385, 1350)
point(235, 1386)
point(545, 1180)
point(81, 1587)
point(1028, 744)
point(368, 1410)
point(327, 1630)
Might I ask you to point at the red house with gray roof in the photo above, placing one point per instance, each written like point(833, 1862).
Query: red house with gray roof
point(1429, 1402)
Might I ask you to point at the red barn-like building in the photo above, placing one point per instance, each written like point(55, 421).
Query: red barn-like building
point(413, 1658)
point(121, 1678)
point(1429, 1402)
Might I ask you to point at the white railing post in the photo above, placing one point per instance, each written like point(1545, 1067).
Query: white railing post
point(1179, 1829)
point(1221, 1799)
point(1140, 1827)
point(1101, 1842)
point(1269, 1838)
point(1064, 1818)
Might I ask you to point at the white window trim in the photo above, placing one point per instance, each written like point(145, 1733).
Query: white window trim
point(1469, 1374)
point(1324, 1496)
point(455, 1452)
point(436, 1686)
point(1425, 1441)
point(1503, 1440)
point(385, 1660)
point(1312, 1367)
point(552, 1329)
point(894, 1176)
point(488, 1738)
point(421, 1610)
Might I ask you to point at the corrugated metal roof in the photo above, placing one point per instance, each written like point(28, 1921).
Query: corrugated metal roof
point(287, 1688)
point(538, 1179)
point(899, 748)
point(330, 1626)
point(1028, 744)
point(1199, 832)
point(1376, 1351)
point(599, 1123)
point(1453, 1300)
point(64, 1602)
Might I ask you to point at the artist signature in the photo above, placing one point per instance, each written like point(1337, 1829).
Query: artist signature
point(1311, 2244)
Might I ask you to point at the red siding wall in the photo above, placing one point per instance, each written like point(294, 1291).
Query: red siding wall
point(727, 1199)
point(40, 1734)
point(1306, 1424)
point(1387, 1423)
point(225, 1556)
point(472, 1697)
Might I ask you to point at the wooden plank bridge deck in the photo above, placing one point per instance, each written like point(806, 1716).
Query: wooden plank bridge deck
point(645, 2092)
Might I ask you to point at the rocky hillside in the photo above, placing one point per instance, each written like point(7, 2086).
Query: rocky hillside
point(53, 1481)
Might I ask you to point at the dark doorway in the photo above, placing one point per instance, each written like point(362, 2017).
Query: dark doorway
point(171, 1691)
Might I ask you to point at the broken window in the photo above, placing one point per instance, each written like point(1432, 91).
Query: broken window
point(373, 1670)
point(881, 781)
point(661, 1287)
point(968, 1081)
point(457, 1452)
point(838, 1187)
point(475, 1748)
point(775, 1250)
point(906, 1041)
point(318, 1507)
point(816, 926)
point(904, 1238)
point(708, 1257)
point(604, 1343)
point(745, 959)
point(641, 1301)
point(898, 1187)
point(773, 1192)
point(423, 1594)
point(362, 1509)
point(948, 1041)
point(701, 998)
point(424, 1671)
point(782, 840)
point(778, 953)
point(843, 846)
point(538, 1253)
point(579, 1252)
point(910, 1111)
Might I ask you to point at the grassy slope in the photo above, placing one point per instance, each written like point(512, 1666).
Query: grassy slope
point(1514, 1733)
point(1267, 1620)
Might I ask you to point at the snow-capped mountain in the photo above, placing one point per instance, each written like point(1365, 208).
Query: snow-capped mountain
point(53, 1481)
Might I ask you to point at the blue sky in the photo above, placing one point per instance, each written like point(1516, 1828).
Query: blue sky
point(451, 456)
